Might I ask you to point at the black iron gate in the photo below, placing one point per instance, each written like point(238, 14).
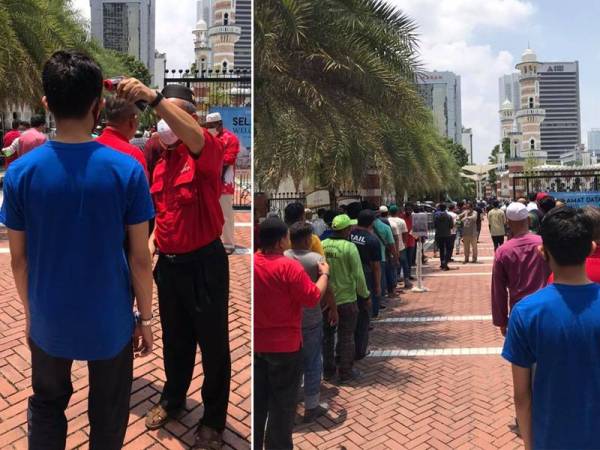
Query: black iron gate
point(556, 181)
point(231, 88)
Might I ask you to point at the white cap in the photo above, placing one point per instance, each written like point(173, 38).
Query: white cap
point(517, 212)
point(383, 209)
point(213, 117)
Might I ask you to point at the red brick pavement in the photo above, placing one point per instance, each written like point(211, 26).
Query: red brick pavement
point(427, 402)
point(149, 374)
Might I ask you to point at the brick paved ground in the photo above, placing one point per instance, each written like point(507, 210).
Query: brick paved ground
point(148, 372)
point(427, 402)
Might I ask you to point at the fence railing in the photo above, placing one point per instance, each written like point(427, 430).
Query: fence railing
point(278, 201)
point(242, 196)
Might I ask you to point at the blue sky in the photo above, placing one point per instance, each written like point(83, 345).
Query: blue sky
point(482, 39)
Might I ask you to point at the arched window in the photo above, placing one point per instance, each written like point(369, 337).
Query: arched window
point(226, 19)
point(224, 66)
point(532, 144)
point(530, 102)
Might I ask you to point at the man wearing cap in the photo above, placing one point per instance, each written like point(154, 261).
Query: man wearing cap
point(231, 147)
point(519, 268)
point(347, 282)
point(192, 271)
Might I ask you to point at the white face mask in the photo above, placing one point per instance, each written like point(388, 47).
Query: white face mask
point(213, 131)
point(165, 133)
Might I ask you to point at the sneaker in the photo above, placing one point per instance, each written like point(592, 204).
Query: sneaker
point(313, 413)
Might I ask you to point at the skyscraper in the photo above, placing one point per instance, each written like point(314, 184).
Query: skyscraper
point(243, 49)
point(467, 142)
point(508, 88)
point(593, 141)
point(126, 26)
point(441, 93)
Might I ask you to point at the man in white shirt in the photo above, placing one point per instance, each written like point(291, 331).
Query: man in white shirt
point(452, 213)
point(400, 225)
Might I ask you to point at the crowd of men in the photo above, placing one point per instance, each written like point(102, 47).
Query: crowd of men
point(317, 286)
point(85, 217)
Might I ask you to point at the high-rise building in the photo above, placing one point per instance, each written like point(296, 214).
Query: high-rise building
point(593, 141)
point(441, 93)
point(509, 89)
point(126, 26)
point(467, 142)
point(544, 122)
point(204, 11)
point(160, 67)
point(243, 47)
point(559, 97)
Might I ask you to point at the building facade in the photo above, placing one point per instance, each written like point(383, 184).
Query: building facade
point(544, 122)
point(127, 26)
point(223, 35)
point(243, 48)
point(467, 142)
point(593, 141)
point(441, 93)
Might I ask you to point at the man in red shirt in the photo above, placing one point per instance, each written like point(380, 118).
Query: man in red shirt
point(192, 271)
point(9, 137)
point(411, 243)
point(281, 289)
point(122, 122)
point(231, 147)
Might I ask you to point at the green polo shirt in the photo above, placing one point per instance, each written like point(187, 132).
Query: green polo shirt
point(346, 276)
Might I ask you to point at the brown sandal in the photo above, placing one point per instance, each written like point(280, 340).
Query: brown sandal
point(156, 417)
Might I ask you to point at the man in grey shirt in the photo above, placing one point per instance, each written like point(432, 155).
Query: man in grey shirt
point(312, 321)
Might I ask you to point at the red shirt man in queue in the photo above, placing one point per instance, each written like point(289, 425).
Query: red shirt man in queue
point(122, 123)
point(231, 147)
point(192, 272)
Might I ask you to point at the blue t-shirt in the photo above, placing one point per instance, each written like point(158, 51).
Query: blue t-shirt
point(558, 328)
point(74, 201)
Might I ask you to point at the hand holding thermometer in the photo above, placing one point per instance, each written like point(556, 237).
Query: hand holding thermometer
point(111, 85)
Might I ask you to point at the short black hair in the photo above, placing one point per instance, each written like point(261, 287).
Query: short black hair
point(72, 83)
point(118, 110)
point(567, 235)
point(321, 212)
point(442, 207)
point(366, 218)
point(547, 203)
point(495, 203)
point(329, 216)
point(271, 231)
point(38, 120)
point(532, 196)
point(293, 212)
point(15, 124)
point(353, 210)
point(24, 123)
point(300, 231)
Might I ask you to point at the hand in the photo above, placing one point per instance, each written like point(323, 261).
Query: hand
point(143, 341)
point(333, 316)
point(503, 331)
point(323, 268)
point(134, 90)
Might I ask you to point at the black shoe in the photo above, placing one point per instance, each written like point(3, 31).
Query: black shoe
point(328, 375)
point(412, 278)
point(451, 259)
point(408, 285)
point(382, 307)
point(354, 375)
point(311, 414)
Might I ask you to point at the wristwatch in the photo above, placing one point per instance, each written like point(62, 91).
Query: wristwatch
point(157, 100)
point(140, 321)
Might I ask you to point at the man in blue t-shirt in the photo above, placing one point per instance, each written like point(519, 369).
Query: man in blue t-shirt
point(68, 206)
point(557, 329)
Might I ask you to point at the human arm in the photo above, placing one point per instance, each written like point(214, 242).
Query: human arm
point(182, 123)
point(330, 305)
point(356, 271)
point(18, 264)
point(376, 268)
point(522, 398)
point(140, 263)
point(499, 295)
point(152, 244)
point(232, 148)
point(12, 148)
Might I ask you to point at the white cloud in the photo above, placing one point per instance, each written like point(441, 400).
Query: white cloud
point(447, 31)
point(174, 24)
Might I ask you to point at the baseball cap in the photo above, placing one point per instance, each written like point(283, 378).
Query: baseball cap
point(366, 217)
point(383, 209)
point(178, 91)
point(393, 209)
point(213, 117)
point(540, 196)
point(342, 222)
point(516, 212)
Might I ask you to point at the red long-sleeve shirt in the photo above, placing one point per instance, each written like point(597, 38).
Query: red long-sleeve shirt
point(231, 145)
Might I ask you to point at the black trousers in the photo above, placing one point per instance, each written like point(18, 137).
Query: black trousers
point(340, 352)
point(444, 244)
point(108, 400)
point(276, 383)
point(361, 335)
point(498, 241)
point(193, 299)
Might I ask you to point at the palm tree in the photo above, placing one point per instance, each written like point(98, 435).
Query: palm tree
point(335, 96)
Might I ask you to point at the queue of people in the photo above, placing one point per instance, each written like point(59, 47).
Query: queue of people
point(107, 210)
point(314, 301)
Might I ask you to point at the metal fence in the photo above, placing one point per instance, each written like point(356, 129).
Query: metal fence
point(217, 88)
point(279, 200)
point(583, 181)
